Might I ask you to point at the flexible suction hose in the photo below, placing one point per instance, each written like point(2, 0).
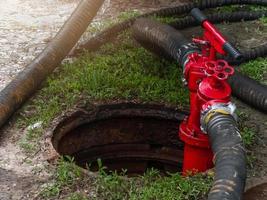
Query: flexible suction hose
point(110, 33)
point(229, 158)
point(27, 81)
point(163, 40)
point(249, 90)
point(245, 88)
point(225, 138)
point(227, 146)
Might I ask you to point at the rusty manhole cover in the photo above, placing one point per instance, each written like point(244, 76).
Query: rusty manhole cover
point(127, 136)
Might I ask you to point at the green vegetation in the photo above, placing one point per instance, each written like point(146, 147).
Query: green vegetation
point(249, 137)
point(77, 196)
point(66, 175)
point(118, 71)
point(263, 20)
point(69, 178)
point(231, 8)
point(152, 186)
point(247, 133)
point(256, 69)
point(235, 8)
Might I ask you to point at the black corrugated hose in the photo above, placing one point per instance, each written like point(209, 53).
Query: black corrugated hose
point(227, 146)
point(163, 39)
point(108, 34)
point(229, 158)
point(12, 97)
point(225, 139)
point(243, 87)
point(258, 100)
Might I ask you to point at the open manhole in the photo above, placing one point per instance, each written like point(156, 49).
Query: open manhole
point(133, 137)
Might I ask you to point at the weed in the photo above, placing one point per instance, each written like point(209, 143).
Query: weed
point(234, 8)
point(125, 71)
point(67, 172)
point(128, 14)
point(256, 69)
point(175, 187)
point(77, 196)
point(257, 8)
point(231, 8)
point(248, 136)
point(121, 71)
point(27, 146)
point(29, 142)
point(117, 71)
point(263, 20)
point(165, 20)
point(66, 175)
point(152, 186)
point(50, 190)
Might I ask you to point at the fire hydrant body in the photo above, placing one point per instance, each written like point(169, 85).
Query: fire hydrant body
point(206, 78)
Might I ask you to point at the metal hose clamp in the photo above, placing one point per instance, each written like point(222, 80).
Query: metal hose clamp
point(210, 111)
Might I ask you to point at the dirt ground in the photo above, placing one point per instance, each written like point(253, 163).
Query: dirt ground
point(26, 27)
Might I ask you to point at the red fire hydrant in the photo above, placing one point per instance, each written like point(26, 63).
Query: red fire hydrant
point(206, 77)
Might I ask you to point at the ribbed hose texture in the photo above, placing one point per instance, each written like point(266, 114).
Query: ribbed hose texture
point(249, 91)
point(248, 55)
point(163, 40)
point(27, 81)
point(220, 17)
point(166, 42)
point(259, 51)
point(110, 33)
point(229, 158)
point(252, 54)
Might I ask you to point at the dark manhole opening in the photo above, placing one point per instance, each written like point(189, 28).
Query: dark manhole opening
point(131, 137)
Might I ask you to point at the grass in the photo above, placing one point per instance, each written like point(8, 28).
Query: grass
point(235, 8)
point(248, 133)
point(249, 137)
point(77, 196)
point(263, 20)
point(256, 69)
point(65, 175)
point(152, 186)
point(117, 72)
point(69, 182)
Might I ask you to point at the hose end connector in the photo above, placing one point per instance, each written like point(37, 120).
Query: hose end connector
point(213, 108)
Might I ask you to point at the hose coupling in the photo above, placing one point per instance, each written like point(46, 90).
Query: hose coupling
point(210, 109)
